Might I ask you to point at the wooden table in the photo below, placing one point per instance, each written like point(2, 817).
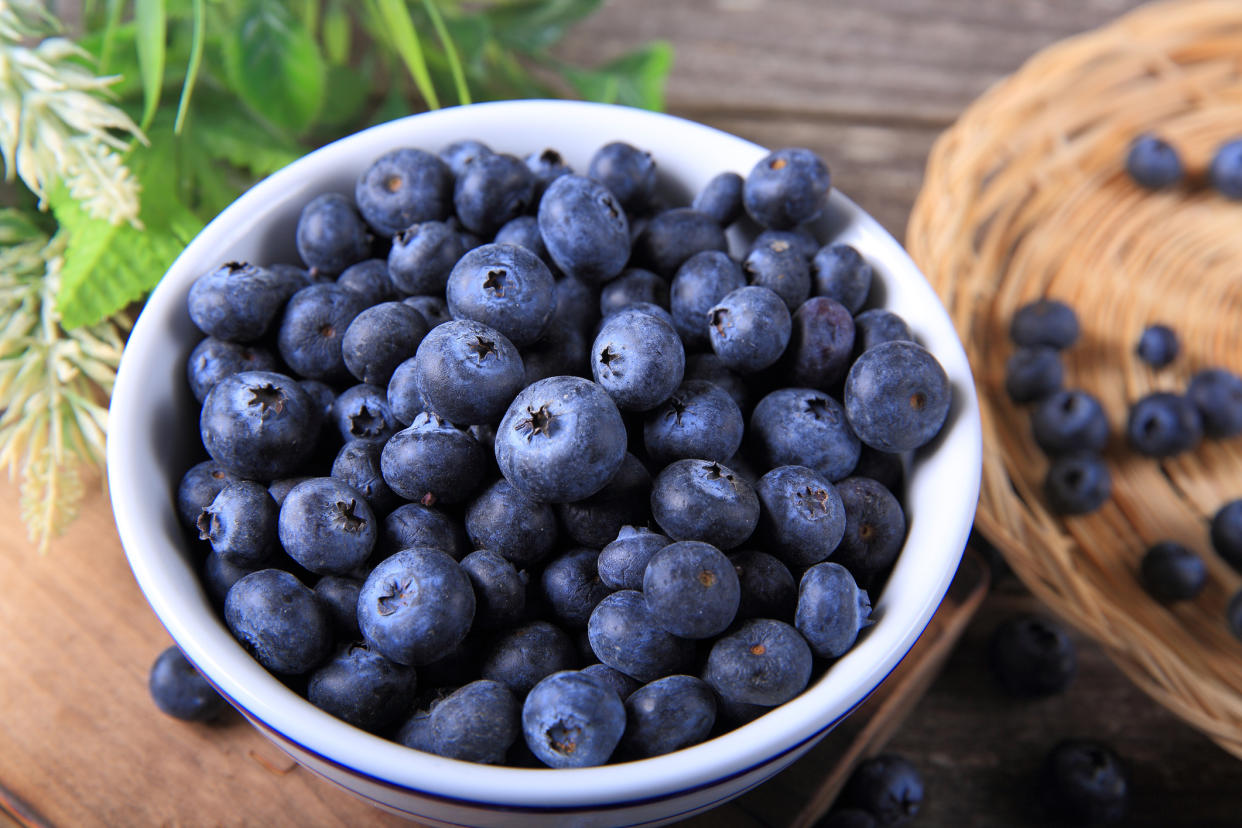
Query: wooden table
point(868, 84)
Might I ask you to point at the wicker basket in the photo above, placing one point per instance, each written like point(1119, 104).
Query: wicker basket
point(1026, 197)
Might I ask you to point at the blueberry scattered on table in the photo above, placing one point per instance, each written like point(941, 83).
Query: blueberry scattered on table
point(888, 786)
point(1032, 656)
point(1153, 163)
point(179, 689)
point(1085, 783)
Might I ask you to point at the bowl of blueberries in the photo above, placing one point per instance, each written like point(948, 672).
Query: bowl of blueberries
point(544, 462)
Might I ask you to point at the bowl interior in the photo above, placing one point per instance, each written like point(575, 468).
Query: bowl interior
point(154, 438)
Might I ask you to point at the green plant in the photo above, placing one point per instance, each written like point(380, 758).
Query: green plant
point(132, 135)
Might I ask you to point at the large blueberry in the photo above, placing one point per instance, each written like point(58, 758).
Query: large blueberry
point(875, 528)
point(240, 523)
point(403, 187)
point(179, 690)
point(459, 154)
point(622, 562)
point(634, 285)
point(804, 427)
point(1217, 393)
point(198, 487)
point(721, 198)
point(370, 280)
point(572, 721)
point(422, 256)
point(523, 231)
point(219, 576)
point(506, 287)
point(467, 372)
point(625, 500)
point(413, 524)
point(705, 501)
point(508, 522)
point(668, 714)
point(361, 412)
point(841, 273)
point(630, 173)
point(625, 636)
point(237, 301)
point(802, 518)
point(279, 621)
point(433, 461)
point(673, 236)
point(1162, 424)
point(476, 723)
point(562, 350)
point(702, 281)
point(832, 610)
point(584, 228)
point(522, 656)
point(780, 267)
point(327, 526)
point(571, 586)
point(786, 188)
point(897, 396)
point(357, 465)
point(499, 590)
point(313, 327)
point(338, 595)
point(379, 339)
point(416, 606)
point(562, 439)
point(691, 589)
point(768, 587)
point(638, 359)
point(749, 329)
point(877, 326)
point(491, 190)
point(821, 343)
point(700, 420)
point(258, 425)
point(360, 686)
point(214, 359)
point(331, 235)
point(763, 662)
point(1069, 421)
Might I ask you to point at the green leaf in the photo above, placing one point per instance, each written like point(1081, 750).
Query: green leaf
point(337, 31)
point(404, 38)
point(112, 20)
point(275, 66)
point(344, 103)
point(16, 227)
point(634, 79)
point(228, 136)
point(151, 17)
point(191, 70)
point(534, 25)
point(450, 52)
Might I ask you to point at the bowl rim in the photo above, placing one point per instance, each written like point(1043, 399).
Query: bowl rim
point(224, 661)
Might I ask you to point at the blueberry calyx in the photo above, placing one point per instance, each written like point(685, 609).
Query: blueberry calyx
point(539, 422)
point(495, 281)
point(345, 518)
point(394, 597)
point(482, 348)
point(269, 399)
point(607, 357)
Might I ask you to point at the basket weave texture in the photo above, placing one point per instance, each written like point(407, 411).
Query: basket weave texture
point(1026, 197)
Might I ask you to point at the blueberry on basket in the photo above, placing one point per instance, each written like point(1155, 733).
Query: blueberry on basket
point(888, 787)
point(1170, 572)
point(1045, 322)
point(1162, 424)
point(1153, 163)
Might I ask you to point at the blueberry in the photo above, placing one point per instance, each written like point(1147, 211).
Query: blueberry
point(499, 591)
point(877, 326)
point(1153, 163)
point(179, 690)
point(638, 359)
point(545, 167)
point(508, 522)
point(338, 595)
point(331, 235)
point(279, 621)
point(831, 610)
point(459, 154)
point(897, 396)
point(1158, 346)
point(312, 328)
point(768, 587)
point(804, 427)
point(787, 188)
point(763, 661)
point(491, 190)
point(240, 523)
point(1162, 424)
point(624, 636)
point(214, 359)
point(668, 714)
point(433, 462)
point(802, 518)
point(467, 372)
point(584, 228)
point(1085, 783)
point(296, 277)
point(323, 396)
point(361, 412)
point(506, 287)
point(1069, 421)
point(405, 394)
point(625, 500)
point(422, 256)
point(571, 586)
point(704, 501)
point(1033, 373)
point(622, 562)
point(673, 236)
point(571, 721)
point(370, 280)
point(524, 232)
point(219, 576)
point(700, 420)
point(561, 440)
point(416, 733)
point(749, 329)
point(357, 465)
point(523, 656)
point(842, 274)
point(1217, 394)
point(1044, 322)
point(258, 425)
point(1225, 174)
point(413, 524)
point(577, 305)
point(379, 339)
point(709, 368)
point(1170, 572)
point(615, 680)
point(416, 606)
point(875, 528)
point(691, 589)
point(780, 267)
point(721, 198)
point(821, 344)
point(476, 723)
point(198, 487)
point(702, 281)
point(1032, 656)
point(1226, 533)
point(561, 351)
point(237, 302)
point(404, 187)
point(632, 286)
point(628, 172)
point(888, 787)
point(1077, 484)
point(360, 686)
point(800, 238)
point(887, 469)
point(327, 526)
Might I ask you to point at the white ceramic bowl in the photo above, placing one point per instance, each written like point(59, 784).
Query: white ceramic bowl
point(153, 438)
